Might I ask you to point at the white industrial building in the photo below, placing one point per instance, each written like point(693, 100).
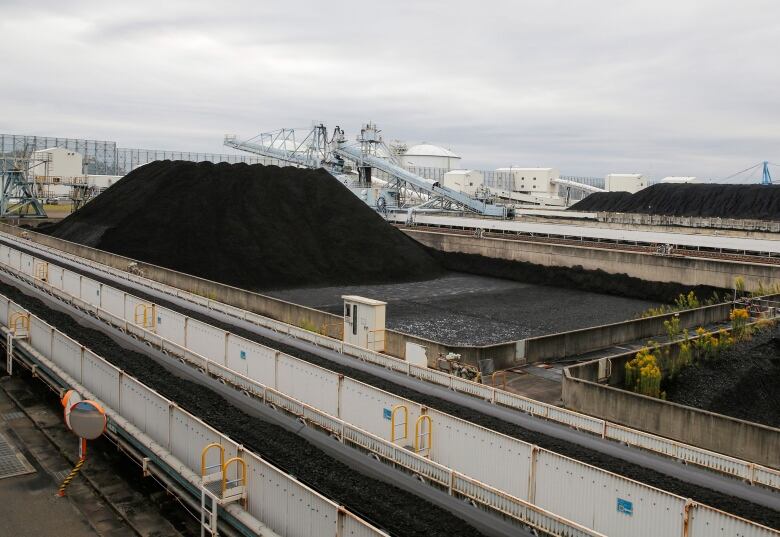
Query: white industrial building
point(532, 180)
point(57, 170)
point(678, 180)
point(56, 167)
point(428, 156)
point(625, 182)
point(466, 181)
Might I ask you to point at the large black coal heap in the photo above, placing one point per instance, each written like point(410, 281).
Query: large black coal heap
point(759, 202)
point(252, 226)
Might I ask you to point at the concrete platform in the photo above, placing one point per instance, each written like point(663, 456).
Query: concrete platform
point(98, 502)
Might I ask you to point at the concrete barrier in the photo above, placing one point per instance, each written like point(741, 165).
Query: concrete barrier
point(576, 342)
point(688, 271)
point(716, 432)
point(638, 219)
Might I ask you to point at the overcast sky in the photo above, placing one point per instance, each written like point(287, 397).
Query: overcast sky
point(661, 87)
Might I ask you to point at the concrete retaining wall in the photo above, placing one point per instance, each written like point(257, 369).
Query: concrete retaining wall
point(716, 432)
point(575, 342)
point(689, 221)
point(682, 270)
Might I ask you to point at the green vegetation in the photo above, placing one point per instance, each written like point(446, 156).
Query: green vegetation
point(682, 303)
point(654, 364)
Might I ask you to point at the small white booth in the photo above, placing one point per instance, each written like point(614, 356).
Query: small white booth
point(364, 322)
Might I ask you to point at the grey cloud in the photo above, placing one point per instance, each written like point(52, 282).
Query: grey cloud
point(589, 87)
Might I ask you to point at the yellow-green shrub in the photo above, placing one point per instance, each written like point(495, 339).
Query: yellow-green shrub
point(739, 324)
point(643, 374)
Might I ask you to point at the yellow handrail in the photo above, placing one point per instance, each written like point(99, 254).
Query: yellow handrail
point(419, 443)
point(143, 316)
point(19, 320)
point(503, 378)
point(42, 270)
point(203, 454)
point(225, 467)
point(393, 424)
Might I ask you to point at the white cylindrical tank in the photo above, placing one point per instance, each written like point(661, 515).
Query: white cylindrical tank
point(429, 156)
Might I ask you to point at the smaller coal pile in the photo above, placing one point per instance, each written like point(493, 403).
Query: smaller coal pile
point(601, 202)
point(252, 226)
point(759, 202)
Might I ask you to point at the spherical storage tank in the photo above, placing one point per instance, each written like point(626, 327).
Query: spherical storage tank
point(429, 156)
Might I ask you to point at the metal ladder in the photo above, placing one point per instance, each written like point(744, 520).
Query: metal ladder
point(18, 328)
point(209, 512)
point(216, 489)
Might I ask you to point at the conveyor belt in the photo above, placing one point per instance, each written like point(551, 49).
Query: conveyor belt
point(686, 473)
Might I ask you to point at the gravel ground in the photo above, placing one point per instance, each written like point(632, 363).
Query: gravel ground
point(465, 309)
point(743, 383)
point(224, 420)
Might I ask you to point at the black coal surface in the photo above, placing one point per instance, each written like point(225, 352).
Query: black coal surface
point(761, 202)
point(252, 226)
point(395, 510)
point(651, 477)
point(742, 384)
point(601, 201)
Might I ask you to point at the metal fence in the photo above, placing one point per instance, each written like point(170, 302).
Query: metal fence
point(129, 159)
point(105, 158)
point(99, 156)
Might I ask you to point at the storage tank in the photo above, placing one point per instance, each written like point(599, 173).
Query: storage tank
point(429, 156)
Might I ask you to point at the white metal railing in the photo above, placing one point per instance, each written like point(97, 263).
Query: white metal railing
point(663, 446)
point(293, 405)
point(90, 374)
point(398, 456)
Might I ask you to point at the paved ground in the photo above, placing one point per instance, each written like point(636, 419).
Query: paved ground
point(477, 310)
point(29, 506)
point(28, 503)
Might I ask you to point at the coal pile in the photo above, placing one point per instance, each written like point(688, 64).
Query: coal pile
point(251, 226)
point(759, 202)
point(741, 384)
point(601, 201)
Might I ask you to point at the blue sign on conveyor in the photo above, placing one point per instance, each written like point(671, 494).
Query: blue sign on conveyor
point(624, 506)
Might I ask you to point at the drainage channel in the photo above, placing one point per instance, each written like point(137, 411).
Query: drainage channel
point(728, 494)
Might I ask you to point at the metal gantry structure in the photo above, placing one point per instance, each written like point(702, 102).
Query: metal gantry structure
point(367, 152)
point(766, 178)
point(19, 195)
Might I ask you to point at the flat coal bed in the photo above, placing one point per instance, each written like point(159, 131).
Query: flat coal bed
point(466, 309)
